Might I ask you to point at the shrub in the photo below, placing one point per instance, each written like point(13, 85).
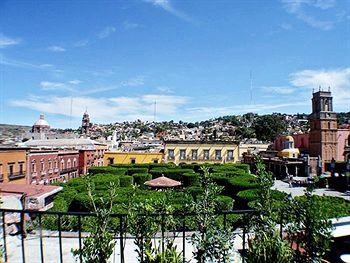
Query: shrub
point(141, 178)
point(243, 182)
point(190, 179)
point(104, 181)
point(194, 191)
point(125, 181)
point(224, 203)
point(107, 169)
point(175, 174)
point(134, 170)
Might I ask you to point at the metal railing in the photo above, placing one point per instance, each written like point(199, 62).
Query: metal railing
point(121, 235)
point(68, 170)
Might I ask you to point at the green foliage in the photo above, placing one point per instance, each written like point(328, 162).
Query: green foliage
point(224, 202)
point(126, 180)
point(268, 127)
point(135, 170)
point(212, 242)
point(107, 170)
point(98, 246)
point(266, 245)
point(141, 178)
point(190, 179)
point(310, 228)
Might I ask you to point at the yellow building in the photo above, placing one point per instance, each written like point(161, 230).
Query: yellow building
point(289, 151)
point(200, 152)
point(132, 157)
point(13, 165)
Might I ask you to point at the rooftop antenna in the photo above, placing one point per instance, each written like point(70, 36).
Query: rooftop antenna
point(251, 87)
point(155, 111)
point(1, 92)
point(329, 88)
point(71, 112)
point(319, 88)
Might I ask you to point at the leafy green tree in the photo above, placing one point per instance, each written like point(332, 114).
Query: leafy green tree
point(212, 242)
point(266, 244)
point(310, 229)
point(98, 246)
point(268, 127)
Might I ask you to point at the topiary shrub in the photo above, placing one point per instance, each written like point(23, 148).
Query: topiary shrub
point(107, 170)
point(190, 179)
point(224, 203)
point(126, 181)
point(137, 170)
point(194, 191)
point(141, 178)
point(104, 181)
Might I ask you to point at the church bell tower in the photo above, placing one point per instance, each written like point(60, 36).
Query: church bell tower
point(323, 126)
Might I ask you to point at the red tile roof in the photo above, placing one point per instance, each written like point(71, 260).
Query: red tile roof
point(29, 190)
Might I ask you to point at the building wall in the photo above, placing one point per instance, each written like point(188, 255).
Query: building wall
point(301, 141)
point(251, 147)
point(69, 165)
point(17, 159)
point(43, 167)
point(130, 157)
point(201, 148)
point(343, 141)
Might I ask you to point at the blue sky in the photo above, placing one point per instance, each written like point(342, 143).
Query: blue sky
point(193, 58)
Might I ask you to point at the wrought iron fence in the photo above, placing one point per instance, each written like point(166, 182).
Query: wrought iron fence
point(238, 219)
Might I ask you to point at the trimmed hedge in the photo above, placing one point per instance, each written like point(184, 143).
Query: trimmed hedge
point(141, 178)
point(136, 170)
point(224, 203)
point(107, 169)
point(175, 174)
point(191, 179)
point(244, 182)
point(126, 180)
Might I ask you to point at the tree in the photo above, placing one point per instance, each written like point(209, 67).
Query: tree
point(98, 246)
point(213, 242)
point(266, 244)
point(268, 127)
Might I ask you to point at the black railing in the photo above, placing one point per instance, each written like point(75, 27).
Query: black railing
point(1, 177)
point(40, 244)
point(17, 175)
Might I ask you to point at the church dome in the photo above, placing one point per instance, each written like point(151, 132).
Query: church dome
point(289, 139)
point(41, 121)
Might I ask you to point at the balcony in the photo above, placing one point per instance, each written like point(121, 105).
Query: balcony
point(171, 157)
point(17, 175)
point(68, 170)
point(1, 177)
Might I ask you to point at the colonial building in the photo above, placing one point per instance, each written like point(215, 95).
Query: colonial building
point(69, 165)
point(132, 157)
point(200, 152)
point(13, 165)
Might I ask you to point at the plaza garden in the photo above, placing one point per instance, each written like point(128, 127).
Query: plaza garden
point(213, 202)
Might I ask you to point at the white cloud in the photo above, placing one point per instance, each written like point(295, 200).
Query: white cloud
point(47, 85)
point(283, 90)
point(167, 6)
point(164, 89)
point(297, 8)
point(75, 82)
point(22, 64)
point(81, 43)
point(130, 25)
point(106, 32)
point(106, 109)
point(134, 82)
point(7, 41)
point(286, 26)
point(56, 49)
point(337, 79)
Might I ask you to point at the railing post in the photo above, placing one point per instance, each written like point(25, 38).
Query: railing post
point(162, 229)
point(22, 237)
point(79, 234)
point(183, 238)
point(244, 233)
point(41, 240)
point(60, 237)
point(4, 235)
point(121, 233)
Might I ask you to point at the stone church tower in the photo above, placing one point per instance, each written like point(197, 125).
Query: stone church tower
point(85, 124)
point(323, 127)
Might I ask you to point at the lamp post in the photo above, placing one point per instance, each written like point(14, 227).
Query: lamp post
point(332, 166)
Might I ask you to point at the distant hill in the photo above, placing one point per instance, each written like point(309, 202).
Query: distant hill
point(9, 133)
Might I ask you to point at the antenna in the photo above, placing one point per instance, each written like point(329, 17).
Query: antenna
point(251, 87)
point(1, 92)
point(155, 111)
point(71, 112)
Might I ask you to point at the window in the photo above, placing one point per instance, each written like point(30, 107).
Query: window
point(42, 166)
point(69, 163)
point(133, 160)
point(171, 154)
point(56, 164)
point(194, 154)
point(217, 154)
point(155, 161)
point(49, 164)
point(206, 154)
point(110, 161)
point(230, 155)
point(33, 167)
point(10, 169)
point(20, 168)
point(62, 164)
point(182, 154)
point(75, 162)
point(0, 169)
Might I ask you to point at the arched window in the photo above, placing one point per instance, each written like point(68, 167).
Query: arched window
point(62, 164)
point(69, 163)
point(75, 162)
point(34, 166)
